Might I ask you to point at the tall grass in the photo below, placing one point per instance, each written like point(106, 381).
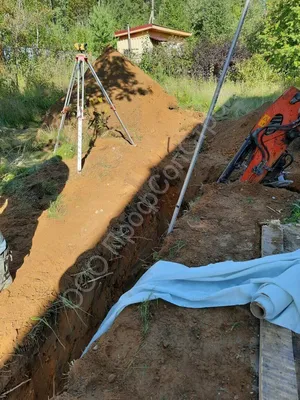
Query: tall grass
point(236, 99)
point(41, 82)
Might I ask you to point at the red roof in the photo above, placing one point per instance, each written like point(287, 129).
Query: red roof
point(153, 28)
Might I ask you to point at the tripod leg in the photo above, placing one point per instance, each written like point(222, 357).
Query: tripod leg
point(79, 121)
point(110, 102)
point(80, 116)
point(66, 105)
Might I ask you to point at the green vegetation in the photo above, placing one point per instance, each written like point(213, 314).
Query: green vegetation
point(174, 250)
point(36, 57)
point(295, 214)
point(236, 99)
point(144, 309)
point(57, 208)
point(279, 39)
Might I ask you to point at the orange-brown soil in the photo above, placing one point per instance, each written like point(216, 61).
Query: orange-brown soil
point(45, 248)
point(187, 354)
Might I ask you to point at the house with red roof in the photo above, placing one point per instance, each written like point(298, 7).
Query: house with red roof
point(144, 37)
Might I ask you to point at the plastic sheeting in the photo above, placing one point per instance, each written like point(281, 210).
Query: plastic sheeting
point(272, 281)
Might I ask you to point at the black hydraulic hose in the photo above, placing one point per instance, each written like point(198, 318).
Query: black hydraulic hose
point(230, 167)
point(263, 149)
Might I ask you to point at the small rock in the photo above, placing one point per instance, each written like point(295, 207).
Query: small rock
point(112, 378)
point(165, 344)
point(95, 347)
point(236, 397)
point(273, 197)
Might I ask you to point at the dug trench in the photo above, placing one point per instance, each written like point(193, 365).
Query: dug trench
point(38, 367)
point(61, 334)
point(222, 224)
point(156, 350)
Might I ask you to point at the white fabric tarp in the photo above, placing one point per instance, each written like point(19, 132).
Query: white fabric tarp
point(272, 281)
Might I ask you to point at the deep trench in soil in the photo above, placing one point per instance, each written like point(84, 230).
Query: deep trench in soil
point(50, 347)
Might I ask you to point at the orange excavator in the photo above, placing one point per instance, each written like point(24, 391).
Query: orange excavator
point(264, 155)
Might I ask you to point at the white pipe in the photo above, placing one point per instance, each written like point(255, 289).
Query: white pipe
point(208, 118)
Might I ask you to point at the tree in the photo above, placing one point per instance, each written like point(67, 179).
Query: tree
point(102, 25)
point(125, 12)
point(174, 14)
point(217, 20)
point(279, 40)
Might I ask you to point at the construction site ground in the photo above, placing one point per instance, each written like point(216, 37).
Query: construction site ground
point(188, 354)
point(154, 350)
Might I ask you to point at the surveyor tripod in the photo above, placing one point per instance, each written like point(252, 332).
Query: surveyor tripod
point(78, 74)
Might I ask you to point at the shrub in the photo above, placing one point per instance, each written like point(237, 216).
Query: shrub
point(209, 58)
point(279, 40)
point(254, 70)
point(167, 60)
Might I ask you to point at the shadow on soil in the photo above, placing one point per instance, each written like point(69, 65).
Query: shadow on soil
point(238, 106)
point(119, 81)
point(24, 199)
point(48, 349)
point(116, 77)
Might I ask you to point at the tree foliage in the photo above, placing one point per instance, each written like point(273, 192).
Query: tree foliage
point(279, 40)
point(30, 28)
point(102, 25)
point(175, 14)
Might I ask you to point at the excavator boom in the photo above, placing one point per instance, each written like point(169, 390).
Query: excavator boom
point(264, 155)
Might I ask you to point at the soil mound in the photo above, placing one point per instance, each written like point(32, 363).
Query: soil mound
point(139, 100)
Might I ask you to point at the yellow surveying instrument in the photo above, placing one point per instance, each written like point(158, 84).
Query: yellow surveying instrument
point(81, 47)
point(78, 71)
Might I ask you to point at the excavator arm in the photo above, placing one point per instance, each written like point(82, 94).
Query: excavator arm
point(264, 155)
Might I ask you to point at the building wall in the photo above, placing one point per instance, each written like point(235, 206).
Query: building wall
point(139, 42)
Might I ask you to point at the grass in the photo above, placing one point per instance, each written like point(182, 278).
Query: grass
point(144, 309)
point(175, 249)
point(45, 322)
point(236, 99)
point(40, 84)
point(156, 256)
point(57, 208)
point(295, 214)
point(66, 150)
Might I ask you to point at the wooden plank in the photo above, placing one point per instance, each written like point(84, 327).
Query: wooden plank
point(277, 372)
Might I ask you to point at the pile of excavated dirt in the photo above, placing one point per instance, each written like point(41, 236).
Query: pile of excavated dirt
point(225, 139)
point(55, 219)
point(188, 354)
point(199, 354)
point(192, 354)
point(140, 101)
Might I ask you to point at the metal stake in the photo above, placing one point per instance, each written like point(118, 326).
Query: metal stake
point(208, 117)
